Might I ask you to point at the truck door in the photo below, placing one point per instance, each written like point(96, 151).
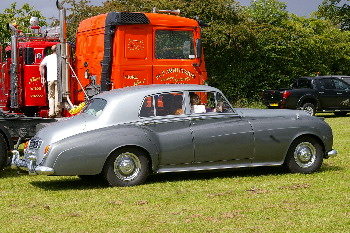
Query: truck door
point(136, 62)
point(327, 93)
point(343, 94)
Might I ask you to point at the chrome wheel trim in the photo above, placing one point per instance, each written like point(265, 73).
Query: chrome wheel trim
point(305, 154)
point(127, 166)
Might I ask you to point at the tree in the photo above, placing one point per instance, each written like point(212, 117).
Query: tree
point(268, 11)
point(335, 12)
point(19, 17)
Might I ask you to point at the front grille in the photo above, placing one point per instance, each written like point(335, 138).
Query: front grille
point(35, 143)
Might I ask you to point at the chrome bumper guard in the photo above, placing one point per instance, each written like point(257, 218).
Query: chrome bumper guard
point(28, 164)
point(332, 153)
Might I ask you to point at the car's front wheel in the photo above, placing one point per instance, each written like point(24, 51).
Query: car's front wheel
point(304, 156)
point(126, 167)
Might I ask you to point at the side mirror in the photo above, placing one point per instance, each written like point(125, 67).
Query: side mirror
point(198, 48)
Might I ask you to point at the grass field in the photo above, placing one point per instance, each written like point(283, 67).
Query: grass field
point(247, 200)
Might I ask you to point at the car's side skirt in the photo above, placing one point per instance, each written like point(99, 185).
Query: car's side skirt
point(213, 166)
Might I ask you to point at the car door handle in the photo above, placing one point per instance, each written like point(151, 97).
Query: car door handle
point(339, 93)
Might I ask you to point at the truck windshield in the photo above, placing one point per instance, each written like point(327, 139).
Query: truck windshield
point(174, 44)
point(95, 107)
point(302, 83)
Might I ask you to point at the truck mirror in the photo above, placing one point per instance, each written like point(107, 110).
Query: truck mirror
point(198, 48)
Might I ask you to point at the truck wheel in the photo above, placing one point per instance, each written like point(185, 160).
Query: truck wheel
point(128, 167)
point(3, 152)
point(304, 156)
point(309, 108)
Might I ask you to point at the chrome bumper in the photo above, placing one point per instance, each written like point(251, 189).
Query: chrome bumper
point(28, 164)
point(332, 153)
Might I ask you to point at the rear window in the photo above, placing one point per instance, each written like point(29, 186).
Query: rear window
point(95, 107)
point(302, 83)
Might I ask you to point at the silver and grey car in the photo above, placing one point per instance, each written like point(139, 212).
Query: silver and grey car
point(127, 134)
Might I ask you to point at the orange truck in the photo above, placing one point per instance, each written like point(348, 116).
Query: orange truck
point(122, 49)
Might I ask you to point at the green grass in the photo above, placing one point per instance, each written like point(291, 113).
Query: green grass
point(245, 200)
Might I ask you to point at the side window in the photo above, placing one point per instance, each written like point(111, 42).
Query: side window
point(302, 83)
point(207, 102)
point(172, 44)
point(326, 84)
point(162, 105)
point(222, 104)
point(29, 56)
point(340, 85)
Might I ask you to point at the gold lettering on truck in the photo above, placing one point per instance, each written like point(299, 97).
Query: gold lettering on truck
point(171, 73)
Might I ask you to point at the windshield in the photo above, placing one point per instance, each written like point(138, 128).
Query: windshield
point(95, 107)
point(174, 44)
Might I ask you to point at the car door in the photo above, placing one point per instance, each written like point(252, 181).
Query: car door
point(168, 127)
point(343, 94)
point(220, 134)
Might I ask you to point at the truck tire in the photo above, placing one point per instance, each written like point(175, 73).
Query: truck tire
point(309, 108)
point(3, 152)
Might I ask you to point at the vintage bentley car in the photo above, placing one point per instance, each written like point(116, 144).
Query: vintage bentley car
point(126, 134)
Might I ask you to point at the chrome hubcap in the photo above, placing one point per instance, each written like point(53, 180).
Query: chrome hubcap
point(305, 154)
point(127, 166)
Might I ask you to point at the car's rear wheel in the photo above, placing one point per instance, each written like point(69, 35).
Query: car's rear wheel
point(309, 108)
point(127, 167)
point(305, 155)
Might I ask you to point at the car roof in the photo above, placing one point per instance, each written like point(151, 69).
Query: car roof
point(144, 90)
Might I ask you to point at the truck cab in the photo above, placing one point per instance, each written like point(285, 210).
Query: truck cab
point(121, 49)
